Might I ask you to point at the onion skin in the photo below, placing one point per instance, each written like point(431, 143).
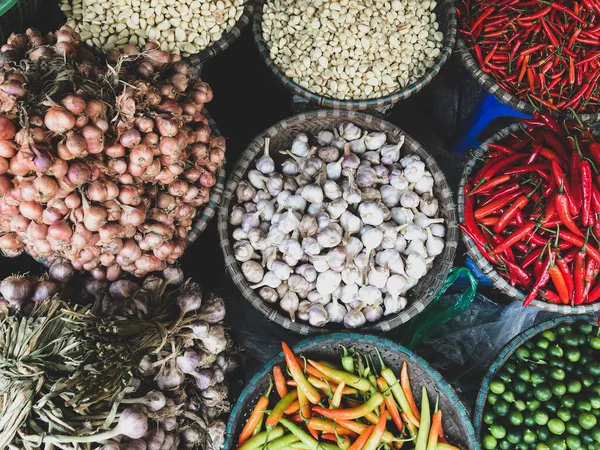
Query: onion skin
point(7, 128)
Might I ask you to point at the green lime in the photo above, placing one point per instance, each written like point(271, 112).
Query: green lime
point(522, 353)
point(564, 414)
point(529, 436)
point(558, 374)
point(557, 443)
point(505, 445)
point(583, 406)
point(556, 351)
point(594, 369)
point(573, 355)
point(489, 442)
point(563, 329)
point(587, 421)
point(520, 387)
point(587, 380)
point(533, 405)
point(585, 327)
point(571, 340)
point(556, 426)
point(528, 420)
point(554, 362)
point(515, 418)
point(541, 417)
point(504, 377)
point(543, 393)
point(498, 431)
point(573, 428)
point(513, 436)
point(595, 401)
point(542, 446)
point(574, 387)
point(596, 434)
point(497, 387)
point(537, 378)
point(568, 401)
point(509, 396)
point(510, 367)
point(543, 343)
point(524, 375)
point(573, 442)
point(489, 418)
point(587, 439)
point(595, 342)
point(520, 405)
point(549, 334)
point(542, 434)
point(501, 408)
point(559, 389)
point(552, 407)
point(492, 398)
point(538, 354)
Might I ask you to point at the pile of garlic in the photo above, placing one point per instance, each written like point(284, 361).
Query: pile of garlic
point(182, 28)
point(346, 220)
point(349, 49)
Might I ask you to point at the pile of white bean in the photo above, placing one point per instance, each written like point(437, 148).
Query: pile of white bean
point(351, 49)
point(178, 27)
point(348, 219)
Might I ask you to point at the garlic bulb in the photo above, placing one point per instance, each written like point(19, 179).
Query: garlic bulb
point(343, 224)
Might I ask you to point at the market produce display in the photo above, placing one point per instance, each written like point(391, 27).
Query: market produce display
point(145, 366)
point(352, 50)
point(547, 393)
point(531, 208)
point(349, 404)
point(339, 229)
point(544, 53)
point(180, 28)
point(102, 163)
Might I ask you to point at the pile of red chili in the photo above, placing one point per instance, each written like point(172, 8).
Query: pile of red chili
point(533, 210)
point(547, 53)
point(350, 405)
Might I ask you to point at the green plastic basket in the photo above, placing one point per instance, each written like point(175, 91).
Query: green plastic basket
point(14, 15)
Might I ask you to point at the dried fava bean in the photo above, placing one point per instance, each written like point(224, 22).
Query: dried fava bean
point(352, 50)
point(182, 28)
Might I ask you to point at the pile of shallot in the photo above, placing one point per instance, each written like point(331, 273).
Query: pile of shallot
point(346, 218)
point(162, 338)
point(102, 163)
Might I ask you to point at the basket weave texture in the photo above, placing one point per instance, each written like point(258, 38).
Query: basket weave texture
point(226, 40)
point(282, 135)
point(446, 15)
point(489, 84)
point(486, 267)
point(456, 423)
point(505, 354)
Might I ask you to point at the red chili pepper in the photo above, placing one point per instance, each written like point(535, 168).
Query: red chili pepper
point(566, 272)
point(509, 189)
point(500, 148)
point(562, 208)
point(510, 212)
point(515, 237)
point(579, 241)
point(495, 168)
point(561, 181)
point(567, 11)
point(594, 149)
point(496, 205)
point(559, 281)
point(555, 143)
point(542, 278)
point(492, 183)
point(586, 192)
point(551, 296)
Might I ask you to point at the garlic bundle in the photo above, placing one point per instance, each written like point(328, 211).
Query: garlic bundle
point(341, 230)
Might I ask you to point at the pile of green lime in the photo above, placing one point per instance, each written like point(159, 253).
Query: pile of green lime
point(547, 395)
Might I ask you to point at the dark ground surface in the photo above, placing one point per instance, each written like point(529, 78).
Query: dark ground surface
point(248, 99)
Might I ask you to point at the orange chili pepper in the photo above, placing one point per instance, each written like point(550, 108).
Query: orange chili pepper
point(377, 434)
point(342, 441)
point(328, 426)
point(304, 406)
point(390, 403)
point(436, 425)
point(280, 385)
point(360, 428)
point(256, 416)
point(359, 444)
point(311, 393)
point(293, 408)
point(352, 413)
point(405, 384)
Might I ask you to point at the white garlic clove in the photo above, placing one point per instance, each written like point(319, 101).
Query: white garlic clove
point(317, 315)
point(268, 294)
point(328, 282)
point(252, 271)
point(289, 303)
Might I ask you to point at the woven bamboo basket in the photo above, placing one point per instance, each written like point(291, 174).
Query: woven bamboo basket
point(226, 40)
point(505, 354)
point(486, 267)
point(204, 216)
point(282, 135)
point(446, 15)
point(456, 422)
point(489, 84)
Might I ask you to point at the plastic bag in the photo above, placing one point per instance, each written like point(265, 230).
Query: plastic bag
point(443, 308)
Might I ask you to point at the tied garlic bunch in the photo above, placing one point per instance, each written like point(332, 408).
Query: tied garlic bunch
point(350, 49)
point(144, 366)
point(341, 230)
point(182, 28)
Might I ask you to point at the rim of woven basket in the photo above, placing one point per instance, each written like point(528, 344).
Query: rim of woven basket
point(486, 267)
point(204, 217)
point(489, 84)
point(419, 296)
point(503, 356)
point(331, 340)
point(227, 39)
point(445, 6)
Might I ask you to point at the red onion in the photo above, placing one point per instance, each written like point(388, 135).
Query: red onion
point(113, 209)
point(59, 169)
point(81, 236)
point(75, 143)
point(7, 148)
point(31, 210)
point(102, 124)
point(37, 231)
point(81, 121)
point(51, 215)
point(75, 104)
point(144, 124)
point(94, 138)
point(95, 108)
point(5, 185)
point(170, 106)
point(60, 231)
point(7, 129)
point(153, 170)
point(79, 173)
point(59, 120)
point(113, 273)
point(132, 216)
point(73, 200)
point(141, 155)
point(94, 217)
point(166, 127)
point(130, 195)
point(45, 188)
point(118, 166)
point(208, 179)
point(115, 150)
point(130, 138)
point(19, 223)
point(13, 88)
